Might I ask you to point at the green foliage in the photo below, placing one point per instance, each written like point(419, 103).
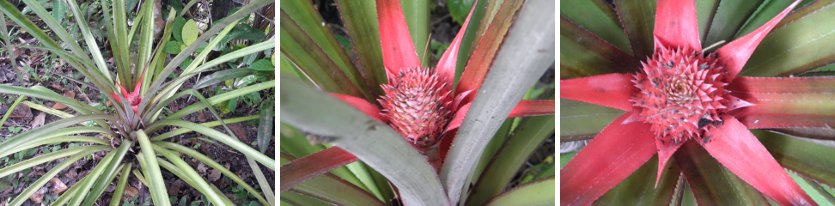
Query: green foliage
point(458, 9)
point(116, 127)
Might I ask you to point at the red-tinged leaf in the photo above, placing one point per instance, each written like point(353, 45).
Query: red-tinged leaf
point(711, 183)
point(459, 98)
point(640, 187)
point(665, 151)
point(611, 90)
point(487, 48)
point(458, 118)
point(313, 165)
point(738, 150)
point(786, 102)
point(532, 108)
point(637, 19)
point(676, 24)
point(398, 49)
point(446, 65)
point(360, 104)
point(583, 53)
point(735, 54)
point(124, 91)
point(616, 152)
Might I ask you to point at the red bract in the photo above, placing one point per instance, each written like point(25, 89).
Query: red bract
point(133, 98)
point(420, 103)
point(680, 94)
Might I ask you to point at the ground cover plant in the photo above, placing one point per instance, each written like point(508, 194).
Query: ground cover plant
point(686, 77)
point(132, 137)
point(416, 130)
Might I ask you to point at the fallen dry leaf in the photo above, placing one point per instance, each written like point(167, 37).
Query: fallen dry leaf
point(39, 120)
point(69, 94)
point(240, 132)
point(37, 198)
point(59, 106)
point(131, 191)
point(22, 112)
point(201, 168)
point(214, 175)
point(58, 186)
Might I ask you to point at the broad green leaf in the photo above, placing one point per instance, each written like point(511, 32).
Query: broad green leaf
point(524, 56)
point(711, 182)
point(640, 187)
point(294, 143)
point(179, 23)
point(266, 124)
point(263, 65)
point(299, 19)
point(729, 17)
point(579, 120)
point(42, 131)
point(458, 9)
point(765, 12)
point(33, 187)
point(222, 97)
point(219, 25)
point(314, 62)
point(59, 10)
point(29, 163)
point(584, 54)
point(336, 191)
point(11, 108)
point(90, 40)
point(149, 164)
point(638, 21)
point(705, 10)
point(537, 193)
point(813, 189)
point(98, 187)
point(360, 21)
point(471, 36)
point(599, 18)
point(197, 181)
point(215, 165)
point(180, 131)
point(242, 52)
point(808, 158)
point(190, 32)
point(417, 17)
point(220, 137)
point(799, 44)
point(511, 157)
point(120, 186)
point(95, 176)
point(296, 199)
point(332, 121)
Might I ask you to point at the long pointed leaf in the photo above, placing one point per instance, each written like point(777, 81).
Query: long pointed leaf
point(710, 182)
point(537, 193)
point(215, 165)
point(148, 159)
point(607, 160)
point(314, 165)
point(525, 55)
point(786, 102)
point(738, 150)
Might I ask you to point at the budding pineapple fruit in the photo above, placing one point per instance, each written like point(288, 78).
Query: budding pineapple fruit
point(417, 105)
point(682, 94)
